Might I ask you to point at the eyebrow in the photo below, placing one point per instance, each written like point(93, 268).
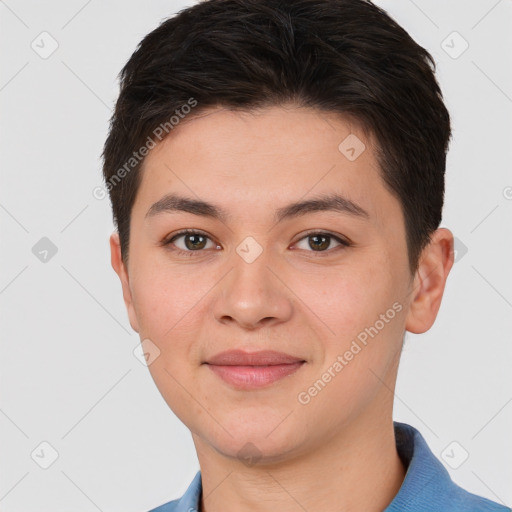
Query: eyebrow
point(172, 203)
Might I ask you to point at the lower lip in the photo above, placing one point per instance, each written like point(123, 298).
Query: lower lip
point(251, 377)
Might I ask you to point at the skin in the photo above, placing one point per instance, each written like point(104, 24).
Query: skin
point(337, 452)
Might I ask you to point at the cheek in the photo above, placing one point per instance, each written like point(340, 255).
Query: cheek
point(346, 299)
point(362, 317)
point(164, 298)
point(360, 356)
point(169, 306)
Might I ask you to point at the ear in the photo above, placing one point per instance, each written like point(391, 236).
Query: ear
point(435, 264)
point(120, 268)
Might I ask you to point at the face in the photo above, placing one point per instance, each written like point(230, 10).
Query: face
point(328, 284)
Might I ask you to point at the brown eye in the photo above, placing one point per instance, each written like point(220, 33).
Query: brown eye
point(194, 242)
point(321, 242)
point(190, 241)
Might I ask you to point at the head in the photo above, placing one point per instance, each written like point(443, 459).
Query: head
point(304, 142)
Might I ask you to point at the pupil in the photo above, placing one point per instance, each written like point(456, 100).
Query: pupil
point(194, 245)
point(323, 245)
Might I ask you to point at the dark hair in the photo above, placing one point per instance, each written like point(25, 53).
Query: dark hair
point(344, 56)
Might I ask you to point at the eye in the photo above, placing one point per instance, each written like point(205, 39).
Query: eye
point(190, 241)
point(319, 241)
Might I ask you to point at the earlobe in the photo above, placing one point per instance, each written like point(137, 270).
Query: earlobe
point(429, 282)
point(120, 269)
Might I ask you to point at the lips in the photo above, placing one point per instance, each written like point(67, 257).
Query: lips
point(246, 371)
point(262, 358)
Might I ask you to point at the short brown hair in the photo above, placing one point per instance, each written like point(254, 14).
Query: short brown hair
point(345, 56)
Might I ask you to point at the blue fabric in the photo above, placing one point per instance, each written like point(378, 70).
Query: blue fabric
point(427, 486)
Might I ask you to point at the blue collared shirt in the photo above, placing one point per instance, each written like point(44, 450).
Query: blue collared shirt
point(427, 486)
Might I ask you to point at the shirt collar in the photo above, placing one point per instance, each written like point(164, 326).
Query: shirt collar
point(191, 500)
point(425, 476)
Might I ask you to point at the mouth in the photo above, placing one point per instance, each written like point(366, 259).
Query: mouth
point(244, 370)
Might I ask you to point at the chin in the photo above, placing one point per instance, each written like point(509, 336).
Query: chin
point(256, 452)
point(254, 443)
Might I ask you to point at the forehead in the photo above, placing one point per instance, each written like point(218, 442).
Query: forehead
point(267, 158)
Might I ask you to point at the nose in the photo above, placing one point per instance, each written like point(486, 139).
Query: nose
point(253, 294)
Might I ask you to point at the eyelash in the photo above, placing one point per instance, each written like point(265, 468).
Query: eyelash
point(343, 243)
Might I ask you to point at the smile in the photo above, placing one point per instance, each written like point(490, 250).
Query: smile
point(253, 377)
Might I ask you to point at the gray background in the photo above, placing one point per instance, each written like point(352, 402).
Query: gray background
point(68, 373)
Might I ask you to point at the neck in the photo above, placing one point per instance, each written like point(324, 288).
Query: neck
point(358, 470)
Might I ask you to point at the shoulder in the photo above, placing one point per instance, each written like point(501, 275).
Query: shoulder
point(464, 501)
point(427, 486)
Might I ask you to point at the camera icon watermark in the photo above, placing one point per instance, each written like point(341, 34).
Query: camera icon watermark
point(455, 455)
point(454, 45)
point(460, 249)
point(146, 352)
point(44, 45)
point(44, 455)
point(249, 454)
point(44, 250)
point(351, 147)
point(249, 249)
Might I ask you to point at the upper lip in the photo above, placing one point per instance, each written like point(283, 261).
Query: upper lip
point(261, 358)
